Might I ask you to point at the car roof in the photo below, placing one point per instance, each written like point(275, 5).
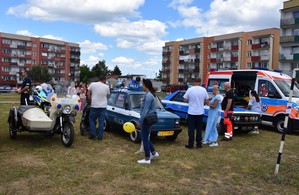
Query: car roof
point(127, 91)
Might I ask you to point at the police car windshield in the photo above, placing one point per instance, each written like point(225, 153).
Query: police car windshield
point(136, 101)
point(285, 85)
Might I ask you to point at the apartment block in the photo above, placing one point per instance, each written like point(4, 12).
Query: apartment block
point(196, 57)
point(289, 40)
point(22, 52)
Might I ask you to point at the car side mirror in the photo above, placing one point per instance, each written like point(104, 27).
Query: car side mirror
point(126, 105)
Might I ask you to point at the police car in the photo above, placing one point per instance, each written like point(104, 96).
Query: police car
point(124, 106)
point(242, 119)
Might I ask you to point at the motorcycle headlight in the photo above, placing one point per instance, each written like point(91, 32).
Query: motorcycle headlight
point(67, 109)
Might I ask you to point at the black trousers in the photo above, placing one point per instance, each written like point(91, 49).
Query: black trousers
point(24, 98)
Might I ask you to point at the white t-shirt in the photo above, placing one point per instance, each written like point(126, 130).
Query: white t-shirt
point(196, 97)
point(99, 92)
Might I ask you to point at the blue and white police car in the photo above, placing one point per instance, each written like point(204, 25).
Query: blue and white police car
point(124, 106)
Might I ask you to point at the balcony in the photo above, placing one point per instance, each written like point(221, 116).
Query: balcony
point(296, 56)
point(212, 60)
point(196, 60)
point(166, 53)
point(166, 62)
point(214, 49)
point(234, 59)
point(289, 39)
point(289, 22)
point(13, 63)
point(181, 80)
point(255, 46)
point(255, 58)
point(235, 47)
point(167, 80)
point(21, 46)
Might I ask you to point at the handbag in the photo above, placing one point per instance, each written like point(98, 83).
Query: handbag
point(151, 119)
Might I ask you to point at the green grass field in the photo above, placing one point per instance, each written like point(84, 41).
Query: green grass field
point(38, 164)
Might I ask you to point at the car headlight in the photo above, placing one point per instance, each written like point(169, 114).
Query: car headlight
point(177, 122)
point(237, 118)
point(67, 109)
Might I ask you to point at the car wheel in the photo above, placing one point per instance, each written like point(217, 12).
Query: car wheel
point(279, 124)
point(135, 136)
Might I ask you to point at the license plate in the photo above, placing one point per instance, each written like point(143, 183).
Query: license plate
point(165, 133)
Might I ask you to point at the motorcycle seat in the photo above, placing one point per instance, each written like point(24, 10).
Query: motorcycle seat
point(23, 108)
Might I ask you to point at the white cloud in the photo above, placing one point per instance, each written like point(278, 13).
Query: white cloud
point(28, 33)
point(91, 47)
point(86, 11)
point(143, 35)
point(24, 32)
point(90, 61)
point(228, 16)
point(127, 63)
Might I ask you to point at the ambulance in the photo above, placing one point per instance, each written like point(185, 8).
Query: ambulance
point(273, 89)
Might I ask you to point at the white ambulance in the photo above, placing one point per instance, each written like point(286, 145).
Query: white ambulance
point(272, 87)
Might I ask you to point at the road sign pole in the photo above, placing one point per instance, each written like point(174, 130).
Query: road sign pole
point(286, 120)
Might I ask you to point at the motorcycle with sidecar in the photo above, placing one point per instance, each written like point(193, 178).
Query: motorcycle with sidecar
point(54, 117)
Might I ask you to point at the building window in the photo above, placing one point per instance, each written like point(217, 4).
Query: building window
point(248, 65)
point(6, 41)
point(6, 69)
point(235, 42)
point(248, 53)
point(249, 42)
point(296, 14)
point(34, 45)
point(44, 54)
point(296, 32)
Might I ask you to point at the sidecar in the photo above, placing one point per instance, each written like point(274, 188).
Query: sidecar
point(28, 118)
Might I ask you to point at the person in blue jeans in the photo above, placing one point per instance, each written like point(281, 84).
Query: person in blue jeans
point(196, 97)
point(211, 133)
point(97, 93)
point(148, 107)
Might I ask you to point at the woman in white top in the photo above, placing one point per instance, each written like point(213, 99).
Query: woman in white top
point(254, 105)
point(254, 102)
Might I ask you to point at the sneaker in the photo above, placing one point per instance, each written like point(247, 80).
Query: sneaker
point(143, 161)
point(254, 132)
point(156, 155)
point(205, 142)
point(215, 144)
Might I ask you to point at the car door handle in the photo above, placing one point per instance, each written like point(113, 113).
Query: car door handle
point(112, 108)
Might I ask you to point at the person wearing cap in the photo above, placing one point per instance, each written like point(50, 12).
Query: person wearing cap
point(25, 88)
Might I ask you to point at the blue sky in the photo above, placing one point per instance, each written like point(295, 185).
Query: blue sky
point(131, 33)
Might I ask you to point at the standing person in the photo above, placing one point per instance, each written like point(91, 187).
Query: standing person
point(82, 96)
point(71, 90)
point(211, 133)
point(254, 102)
point(196, 97)
point(255, 106)
point(135, 85)
point(25, 88)
point(97, 94)
point(148, 107)
point(228, 108)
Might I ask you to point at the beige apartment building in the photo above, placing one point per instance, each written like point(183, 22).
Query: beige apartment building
point(19, 52)
point(184, 61)
point(289, 40)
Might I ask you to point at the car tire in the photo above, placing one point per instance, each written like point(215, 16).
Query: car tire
point(135, 136)
point(279, 124)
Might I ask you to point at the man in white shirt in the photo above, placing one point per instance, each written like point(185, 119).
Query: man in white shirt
point(98, 93)
point(196, 97)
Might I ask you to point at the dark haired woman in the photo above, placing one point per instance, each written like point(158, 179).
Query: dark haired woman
point(254, 102)
point(148, 107)
point(254, 105)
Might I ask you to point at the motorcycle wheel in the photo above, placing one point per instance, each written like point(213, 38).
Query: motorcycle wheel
point(68, 134)
point(12, 132)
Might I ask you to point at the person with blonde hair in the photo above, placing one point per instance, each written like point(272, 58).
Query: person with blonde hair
point(211, 133)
